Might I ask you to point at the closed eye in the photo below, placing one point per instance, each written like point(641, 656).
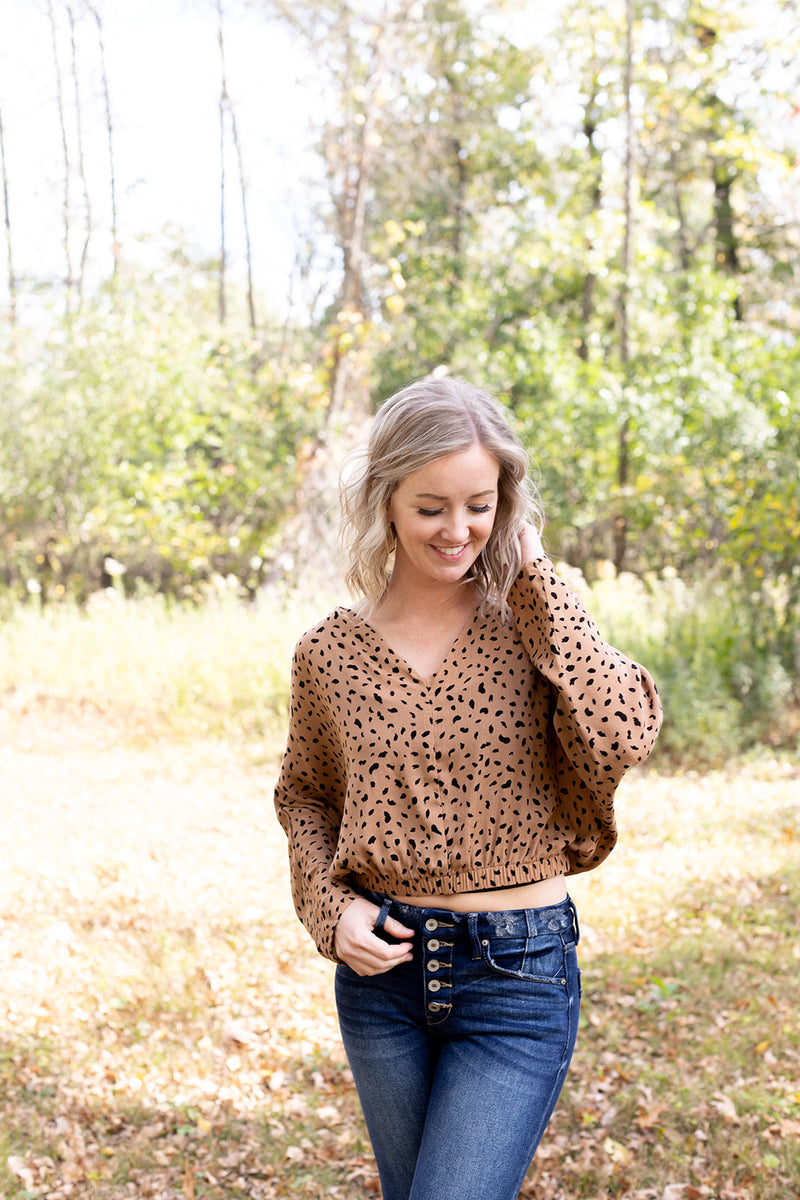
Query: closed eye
point(435, 512)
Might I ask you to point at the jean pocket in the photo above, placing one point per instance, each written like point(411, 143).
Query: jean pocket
point(540, 959)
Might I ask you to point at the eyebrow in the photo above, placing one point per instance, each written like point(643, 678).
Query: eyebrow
point(474, 496)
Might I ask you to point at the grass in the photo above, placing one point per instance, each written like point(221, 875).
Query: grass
point(162, 668)
point(149, 1021)
point(166, 1029)
point(687, 1073)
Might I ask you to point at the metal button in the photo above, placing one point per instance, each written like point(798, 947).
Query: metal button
point(434, 964)
point(434, 985)
point(431, 924)
point(435, 1006)
point(433, 945)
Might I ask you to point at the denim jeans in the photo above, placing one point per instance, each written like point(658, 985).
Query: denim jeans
point(459, 1056)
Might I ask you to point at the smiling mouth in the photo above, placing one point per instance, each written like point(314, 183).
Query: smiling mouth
point(451, 551)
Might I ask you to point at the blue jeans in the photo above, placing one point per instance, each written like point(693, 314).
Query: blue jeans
point(459, 1056)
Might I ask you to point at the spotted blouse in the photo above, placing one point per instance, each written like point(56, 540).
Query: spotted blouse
point(498, 769)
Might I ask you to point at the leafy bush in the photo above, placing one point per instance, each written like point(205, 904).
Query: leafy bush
point(142, 440)
point(723, 690)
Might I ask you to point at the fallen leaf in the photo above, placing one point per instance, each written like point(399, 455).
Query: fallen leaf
point(17, 1166)
point(646, 1120)
point(725, 1107)
point(239, 1034)
point(617, 1152)
point(675, 1191)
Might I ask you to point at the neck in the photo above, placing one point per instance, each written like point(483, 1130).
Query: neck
point(427, 601)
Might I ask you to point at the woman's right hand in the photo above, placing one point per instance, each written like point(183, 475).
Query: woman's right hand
point(357, 945)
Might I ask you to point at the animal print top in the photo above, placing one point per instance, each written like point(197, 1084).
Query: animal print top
point(498, 769)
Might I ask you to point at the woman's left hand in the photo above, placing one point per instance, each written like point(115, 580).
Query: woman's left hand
point(530, 541)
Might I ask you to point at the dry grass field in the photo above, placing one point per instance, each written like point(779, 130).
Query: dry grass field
point(167, 1030)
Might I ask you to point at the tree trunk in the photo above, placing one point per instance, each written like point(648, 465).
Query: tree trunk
point(69, 280)
point(624, 431)
point(596, 196)
point(12, 279)
point(115, 249)
point(726, 243)
point(222, 311)
point(87, 206)
point(310, 546)
point(349, 386)
point(251, 304)
point(226, 107)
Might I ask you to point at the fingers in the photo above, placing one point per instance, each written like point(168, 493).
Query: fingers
point(357, 944)
point(530, 540)
point(395, 929)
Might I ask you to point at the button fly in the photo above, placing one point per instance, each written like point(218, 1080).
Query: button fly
point(434, 964)
point(431, 924)
point(434, 985)
point(433, 945)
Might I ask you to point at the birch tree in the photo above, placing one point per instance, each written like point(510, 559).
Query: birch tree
point(12, 280)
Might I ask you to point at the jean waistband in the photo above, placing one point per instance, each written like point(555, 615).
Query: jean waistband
point(517, 922)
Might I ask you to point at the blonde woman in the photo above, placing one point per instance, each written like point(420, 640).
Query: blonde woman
point(456, 738)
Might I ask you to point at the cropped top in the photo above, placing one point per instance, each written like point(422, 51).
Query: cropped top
point(498, 769)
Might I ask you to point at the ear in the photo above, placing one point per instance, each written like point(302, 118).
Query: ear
point(391, 538)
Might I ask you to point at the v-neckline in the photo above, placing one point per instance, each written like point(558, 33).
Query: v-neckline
point(400, 658)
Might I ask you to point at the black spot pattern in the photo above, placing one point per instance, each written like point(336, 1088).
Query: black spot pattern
point(498, 769)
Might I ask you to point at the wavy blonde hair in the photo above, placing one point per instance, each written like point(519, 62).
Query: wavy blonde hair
point(424, 421)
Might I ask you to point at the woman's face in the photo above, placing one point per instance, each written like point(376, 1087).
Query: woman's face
point(443, 514)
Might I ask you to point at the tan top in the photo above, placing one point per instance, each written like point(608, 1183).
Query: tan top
point(497, 770)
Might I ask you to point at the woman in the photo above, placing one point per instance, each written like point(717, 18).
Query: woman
point(455, 743)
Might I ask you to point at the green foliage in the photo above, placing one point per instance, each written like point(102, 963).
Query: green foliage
point(497, 254)
point(141, 435)
point(723, 692)
point(474, 170)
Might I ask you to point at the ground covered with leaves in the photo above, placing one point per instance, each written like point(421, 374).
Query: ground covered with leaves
point(167, 1030)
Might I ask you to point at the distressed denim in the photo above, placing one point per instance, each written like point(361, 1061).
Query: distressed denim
point(459, 1056)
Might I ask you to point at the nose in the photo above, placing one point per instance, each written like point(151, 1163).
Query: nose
point(457, 528)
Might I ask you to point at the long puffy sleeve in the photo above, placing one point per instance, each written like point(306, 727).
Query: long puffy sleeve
point(606, 712)
point(309, 797)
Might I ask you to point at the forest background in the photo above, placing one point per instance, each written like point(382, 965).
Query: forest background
point(592, 210)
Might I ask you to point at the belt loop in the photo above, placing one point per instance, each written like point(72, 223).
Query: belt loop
point(575, 924)
point(472, 922)
point(530, 920)
point(382, 915)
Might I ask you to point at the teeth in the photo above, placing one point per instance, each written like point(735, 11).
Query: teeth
point(450, 551)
